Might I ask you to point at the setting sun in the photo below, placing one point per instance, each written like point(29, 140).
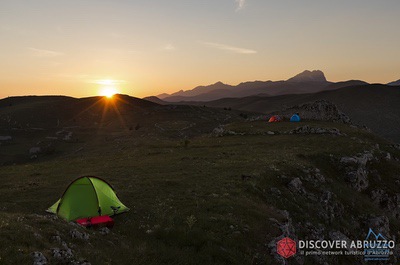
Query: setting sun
point(108, 92)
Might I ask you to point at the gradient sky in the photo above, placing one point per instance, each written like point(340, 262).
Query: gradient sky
point(152, 46)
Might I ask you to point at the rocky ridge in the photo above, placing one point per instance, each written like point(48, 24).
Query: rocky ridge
point(320, 110)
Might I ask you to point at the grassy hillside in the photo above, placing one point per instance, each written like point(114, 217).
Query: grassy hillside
point(198, 195)
point(376, 106)
point(53, 123)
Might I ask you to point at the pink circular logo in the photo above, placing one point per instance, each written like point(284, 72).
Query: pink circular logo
point(286, 247)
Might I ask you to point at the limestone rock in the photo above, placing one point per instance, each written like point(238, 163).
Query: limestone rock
point(314, 176)
point(322, 110)
point(391, 204)
point(311, 130)
point(295, 185)
point(332, 208)
point(221, 131)
point(356, 172)
point(39, 258)
point(79, 235)
point(104, 231)
point(62, 255)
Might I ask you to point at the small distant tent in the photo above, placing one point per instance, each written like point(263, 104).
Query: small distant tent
point(295, 118)
point(275, 118)
point(87, 197)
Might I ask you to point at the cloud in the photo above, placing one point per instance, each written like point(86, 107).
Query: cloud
point(169, 47)
point(228, 48)
point(44, 53)
point(240, 4)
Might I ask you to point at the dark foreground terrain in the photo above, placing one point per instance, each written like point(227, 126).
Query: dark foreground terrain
point(199, 192)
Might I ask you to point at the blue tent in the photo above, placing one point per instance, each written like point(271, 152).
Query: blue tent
point(295, 118)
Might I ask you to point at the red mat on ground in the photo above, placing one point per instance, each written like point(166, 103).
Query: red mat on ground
point(97, 221)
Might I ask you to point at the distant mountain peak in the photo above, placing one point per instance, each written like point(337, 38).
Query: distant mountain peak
point(163, 95)
point(394, 83)
point(309, 76)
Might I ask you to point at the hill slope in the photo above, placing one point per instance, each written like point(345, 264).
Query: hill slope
point(51, 111)
point(225, 196)
point(394, 83)
point(49, 124)
point(376, 106)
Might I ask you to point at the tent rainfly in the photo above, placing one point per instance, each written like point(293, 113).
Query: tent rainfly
point(87, 197)
point(295, 118)
point(275, 118)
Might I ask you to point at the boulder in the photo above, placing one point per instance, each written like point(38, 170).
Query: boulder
point(62, 255)
point(332, 208)
point(321, 110)
point(312, 130)
point(356, 172)
point(39, 258)
point(295, 185)
point(104, 231)
point(358, 179)
point(5, 138)
point(35, 150)
point(314, 176)
point(391, 204)
point(79, 235)
point(221, 131)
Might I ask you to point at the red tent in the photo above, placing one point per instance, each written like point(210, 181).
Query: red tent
point(275, 118)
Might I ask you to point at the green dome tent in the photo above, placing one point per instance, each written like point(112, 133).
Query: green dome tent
point(87, 197)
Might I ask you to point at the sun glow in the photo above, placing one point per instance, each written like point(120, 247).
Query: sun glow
point(108, 92)
point(108, 87)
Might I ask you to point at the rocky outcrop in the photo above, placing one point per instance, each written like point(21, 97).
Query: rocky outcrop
point(35, 150)
point(39, 258)
point(5, 138)
point(79, 235)
point(321, 110)
point(356, 172)
point(314, 176)
point(63, 252)
point(390, 204)
point(64, 135)
point(396, 146)
point(221, 131)
point(104, 231)
point(42, 148)
point(287, 229)
point(62, 255)
point(332, 208)
point(296, 186)
point(311, 130)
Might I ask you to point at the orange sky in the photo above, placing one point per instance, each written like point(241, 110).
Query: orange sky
point(150, 47)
